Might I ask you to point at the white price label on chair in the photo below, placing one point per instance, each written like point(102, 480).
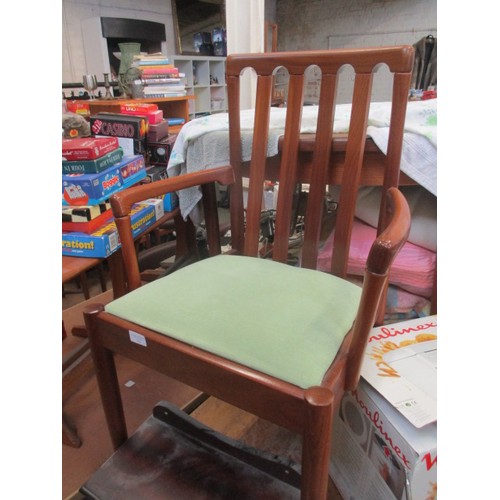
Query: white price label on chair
point(137, 338)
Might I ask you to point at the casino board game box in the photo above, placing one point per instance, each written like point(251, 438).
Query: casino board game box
point(118, 125)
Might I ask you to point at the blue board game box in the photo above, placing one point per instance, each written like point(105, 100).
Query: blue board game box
point(91, 189)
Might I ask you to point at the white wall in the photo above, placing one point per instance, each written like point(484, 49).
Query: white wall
point(75, 11)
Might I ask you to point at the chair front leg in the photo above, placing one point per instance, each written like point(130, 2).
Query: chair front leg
point(316, 443)
point(107, 380)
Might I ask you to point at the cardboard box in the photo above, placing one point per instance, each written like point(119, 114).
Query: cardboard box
point(170, 201)
point(131, 146)
point(119, 125)
point(401, 364)
point(87, 148)
point(103, 242)
point(378, 453)
point(158, 131)
point(132, 169)
point(92, 166)
point(79, 107)
point(84, 213)
point(137, 108)
point(91, 189)
point(89, 226)
point(156, 173)
point(153, 116)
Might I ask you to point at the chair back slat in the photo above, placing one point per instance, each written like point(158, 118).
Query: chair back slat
point(288, 169)
point(321, 161)
point(236, 190)
point(258, 163)
point(352, 171)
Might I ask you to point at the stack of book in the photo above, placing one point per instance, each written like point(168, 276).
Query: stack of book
point(159, 77)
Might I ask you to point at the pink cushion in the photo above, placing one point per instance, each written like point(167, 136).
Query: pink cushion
point(412, 270)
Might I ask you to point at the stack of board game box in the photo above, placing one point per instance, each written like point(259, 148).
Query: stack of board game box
point(94, 168)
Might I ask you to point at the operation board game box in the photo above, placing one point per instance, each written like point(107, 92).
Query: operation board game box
point(87, 148)
point(385, 433)
point(104, 241)
point(92, 166)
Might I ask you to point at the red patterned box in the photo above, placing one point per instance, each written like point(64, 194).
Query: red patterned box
point(87, 148)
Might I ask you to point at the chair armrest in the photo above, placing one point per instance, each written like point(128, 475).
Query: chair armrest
point(387, 245)
point(121, 202)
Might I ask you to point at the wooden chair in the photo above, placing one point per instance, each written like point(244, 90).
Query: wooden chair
point(279, 341)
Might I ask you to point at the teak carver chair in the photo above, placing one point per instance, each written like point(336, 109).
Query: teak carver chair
point(279, 341)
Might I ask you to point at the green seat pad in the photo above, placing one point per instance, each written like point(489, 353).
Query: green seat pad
point(285, 321)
